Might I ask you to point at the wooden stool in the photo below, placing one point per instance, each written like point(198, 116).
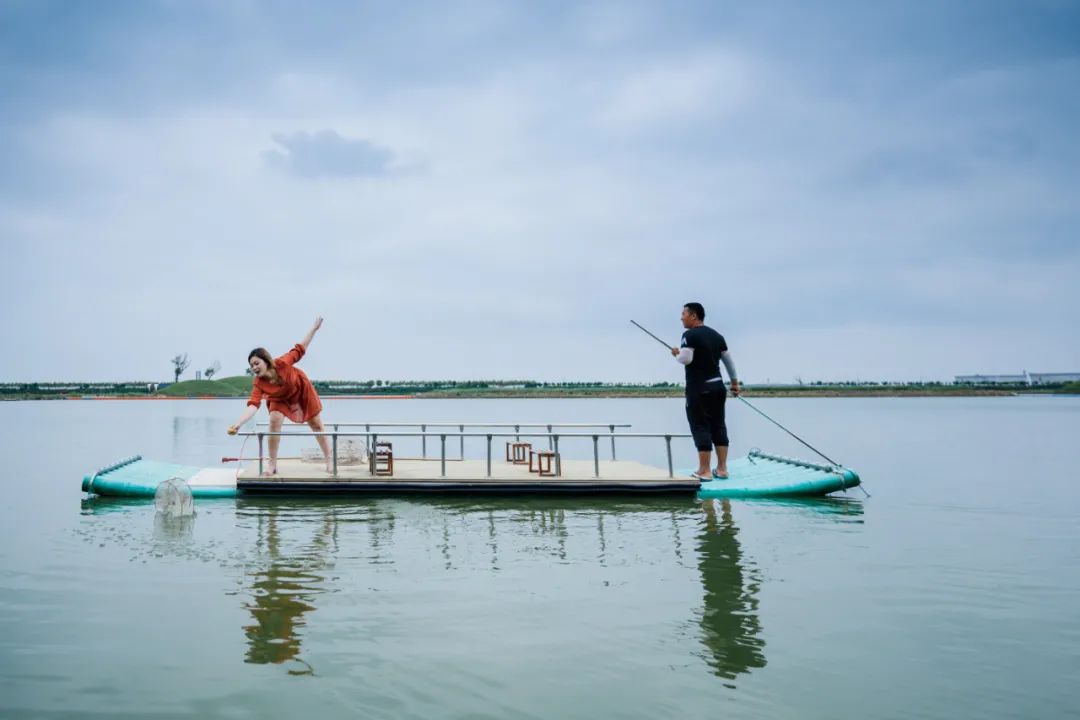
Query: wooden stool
point(517, 452)
point(382, 459)
point(544, 460)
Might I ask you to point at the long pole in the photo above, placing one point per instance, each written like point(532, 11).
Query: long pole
point(651, 335)
point(759, 412)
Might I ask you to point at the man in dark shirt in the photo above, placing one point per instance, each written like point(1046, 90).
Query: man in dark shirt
point(702, 351)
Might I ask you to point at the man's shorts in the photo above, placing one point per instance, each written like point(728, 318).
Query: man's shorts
point(705, 413)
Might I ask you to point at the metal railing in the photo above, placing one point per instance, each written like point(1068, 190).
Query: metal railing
point(373, 436)
point(462, 425)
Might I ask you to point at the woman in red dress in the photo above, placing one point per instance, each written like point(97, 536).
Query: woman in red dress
point(289, 394)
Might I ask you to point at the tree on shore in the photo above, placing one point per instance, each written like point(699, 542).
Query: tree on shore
point(180, 363)
point(209, 372)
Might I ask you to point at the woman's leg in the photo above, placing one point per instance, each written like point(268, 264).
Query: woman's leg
point(276, 421)
point(316, 425)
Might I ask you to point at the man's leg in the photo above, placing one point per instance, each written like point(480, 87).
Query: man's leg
point(699, 428)
point(721, 460)
point(703, 462)
point(718, 427)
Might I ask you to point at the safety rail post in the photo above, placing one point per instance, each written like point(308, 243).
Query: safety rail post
point(596, 454)
point(612, 428)
point(670, 465)
point(374, 449)
point(517, 431)
point(489, 455)
point(335, 448)
point(443, 438)
point(551, 445)
point(260, 454)
point(423, 441)
point(558, 458)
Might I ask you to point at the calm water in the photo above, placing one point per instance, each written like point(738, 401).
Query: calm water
point(953, 590)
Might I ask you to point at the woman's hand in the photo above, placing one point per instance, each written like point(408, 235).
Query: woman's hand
point(318, 324)
point(233, 429)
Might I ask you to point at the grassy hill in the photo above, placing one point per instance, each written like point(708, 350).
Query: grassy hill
point(235, 386)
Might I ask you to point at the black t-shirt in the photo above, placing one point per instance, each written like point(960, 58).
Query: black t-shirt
point(707, 345)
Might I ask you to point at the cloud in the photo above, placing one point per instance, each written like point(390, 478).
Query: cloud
point(818, 180)
point(678, 91)
point(328, 154)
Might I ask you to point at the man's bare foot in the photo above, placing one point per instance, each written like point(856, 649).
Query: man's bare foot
point(720, 474)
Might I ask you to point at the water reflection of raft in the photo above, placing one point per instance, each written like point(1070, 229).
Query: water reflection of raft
point(756, 475)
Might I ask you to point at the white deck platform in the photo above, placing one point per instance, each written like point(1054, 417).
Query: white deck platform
point(412, 474)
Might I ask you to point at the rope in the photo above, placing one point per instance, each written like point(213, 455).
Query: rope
point(240, 456)
point(108, 469)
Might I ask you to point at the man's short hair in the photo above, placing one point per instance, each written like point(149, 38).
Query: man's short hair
point(697, 309)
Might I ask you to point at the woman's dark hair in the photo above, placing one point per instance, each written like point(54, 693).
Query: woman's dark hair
point(263, 355)
point(695, 308)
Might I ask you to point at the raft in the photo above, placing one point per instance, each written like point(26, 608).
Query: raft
point(760, 475)
point(136, 477)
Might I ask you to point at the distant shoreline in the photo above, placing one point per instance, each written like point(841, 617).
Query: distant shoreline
point(579, 394)
point(239, 387)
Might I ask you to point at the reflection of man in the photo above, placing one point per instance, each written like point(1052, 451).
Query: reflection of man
point(702, 350)
point(730, 627)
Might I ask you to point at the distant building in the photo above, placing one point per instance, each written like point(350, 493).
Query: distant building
point(992, 380)
point(1025, 379)
point(1054, 378)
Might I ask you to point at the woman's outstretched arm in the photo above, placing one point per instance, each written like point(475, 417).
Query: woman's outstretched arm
point(248, 414)
point(311, 333)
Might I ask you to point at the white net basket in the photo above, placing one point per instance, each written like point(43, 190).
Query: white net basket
point(349, 452)
point(173, 498)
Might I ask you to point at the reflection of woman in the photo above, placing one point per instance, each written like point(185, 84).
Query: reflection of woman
point(289, 394)
point(278, 611)
point(730, 627)
point(282, 594)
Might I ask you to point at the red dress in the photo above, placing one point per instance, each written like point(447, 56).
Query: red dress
point(295, 397)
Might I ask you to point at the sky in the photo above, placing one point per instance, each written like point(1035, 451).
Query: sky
point(493, 190)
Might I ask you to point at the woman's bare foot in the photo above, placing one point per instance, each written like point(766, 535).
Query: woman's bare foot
point(271, 469)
